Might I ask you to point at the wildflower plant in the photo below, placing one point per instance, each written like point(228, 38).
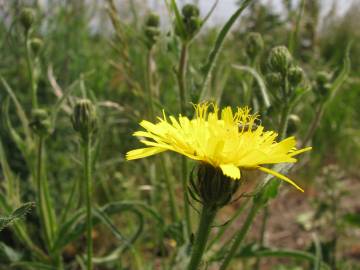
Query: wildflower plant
point(134, 64)
point(223, 143)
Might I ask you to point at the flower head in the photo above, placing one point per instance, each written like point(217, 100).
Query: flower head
point(227, 140)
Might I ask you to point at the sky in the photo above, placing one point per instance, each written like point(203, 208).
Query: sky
point(226, 7)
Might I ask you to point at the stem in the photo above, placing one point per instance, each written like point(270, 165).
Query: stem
point(168, 182)
point(314, 124)
point(181, 76)
point(262, 233)
point(240, 236)
point(149, 84)
point(43, 202)
point(31, 73)
point(88, 184)
point(202, 235)
point(223, 228)
point(170, 188)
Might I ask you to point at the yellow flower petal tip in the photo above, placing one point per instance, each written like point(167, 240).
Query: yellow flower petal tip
point(226, 139)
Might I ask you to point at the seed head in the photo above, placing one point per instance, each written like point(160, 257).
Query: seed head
point(279, 59)
point(84, 118)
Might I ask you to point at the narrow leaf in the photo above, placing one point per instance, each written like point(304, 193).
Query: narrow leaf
point(259, 80)
point(217, 48)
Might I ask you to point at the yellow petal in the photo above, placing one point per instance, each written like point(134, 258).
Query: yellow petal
point(296, 152)
point(282, 177)
point(143, 152)
point(230, 170)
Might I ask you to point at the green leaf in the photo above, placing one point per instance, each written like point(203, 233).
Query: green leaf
point(343, 75)
point(352, 219)
point(34, 266)
point(260, 81)
point(15, 215)
point(75, 227)
point(8, 254)
point(19, 109)
point(217, 48)
point(178, 18)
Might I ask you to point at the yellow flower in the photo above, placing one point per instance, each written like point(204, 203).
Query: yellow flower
point(229, 141)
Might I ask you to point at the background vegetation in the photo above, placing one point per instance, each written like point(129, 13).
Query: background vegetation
point(98, 50)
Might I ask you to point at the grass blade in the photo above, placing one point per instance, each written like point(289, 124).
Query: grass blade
point(19, 109)
point(217, 48)
point(260, 82)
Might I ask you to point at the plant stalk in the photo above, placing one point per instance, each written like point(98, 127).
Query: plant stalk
point(207, 216)
point(31, 73)
point(43, 196)
point(181, 76)
point(149, 83)
point(314, 124)
point(168, 182)
point(88, 184)
point(240, 236)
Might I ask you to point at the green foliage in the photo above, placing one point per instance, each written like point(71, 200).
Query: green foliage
point(18, 213)
point(78, 50)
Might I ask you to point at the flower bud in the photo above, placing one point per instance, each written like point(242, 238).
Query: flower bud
point(40, 122)
point(27, 18)
point(190, 10)
point(84, 118)
point(191, 22)
point(254, 44)
point(153, 20)
point(296, 75)
point(323, 83)
point(151, 29)
point(279, 59)
point(211, 187)
point(274, 79)
point(36, 45)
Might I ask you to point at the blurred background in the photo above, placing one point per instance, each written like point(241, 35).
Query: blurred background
point(98, 48)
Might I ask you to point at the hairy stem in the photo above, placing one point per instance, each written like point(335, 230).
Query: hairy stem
point(202, 235)
point(168, 182)
point(43, 196)
point(88, 184)
point(181, 75)
point(149, 83)
point(30, 68)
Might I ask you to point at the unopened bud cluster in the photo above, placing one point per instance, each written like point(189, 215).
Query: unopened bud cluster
point(84, 118)
point(40, 122)
point(152, 29)
point(211, 187)
point(254, 45)
point(282, 68)
point(191, 22)
point(323, 84)
point(36, 45)
point(27, 18)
